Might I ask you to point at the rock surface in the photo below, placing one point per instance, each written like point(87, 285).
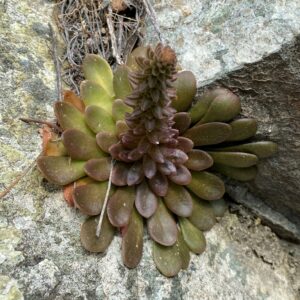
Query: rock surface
point(40, 252)
point(252, 48)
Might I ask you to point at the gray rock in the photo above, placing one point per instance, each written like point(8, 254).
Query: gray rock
point(252, 48)
point(40, 252)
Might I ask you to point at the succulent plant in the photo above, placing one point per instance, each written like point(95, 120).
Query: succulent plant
point(133, 140)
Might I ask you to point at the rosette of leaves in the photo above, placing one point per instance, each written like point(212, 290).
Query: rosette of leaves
point(135, 139)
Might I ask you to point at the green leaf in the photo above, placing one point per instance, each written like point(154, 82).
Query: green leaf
point(182, 122)
point(94, 94)
point(121, 83)
point(162, 227)
point(121, 127)
point(80, 145)
point(208, 134)
point(184, 251)
point(120, 206)
point(207, 185)
point(96, 69)
point(201, 106)
point(60, 170)
point(186, 87)
point(88, 236)
point(98, 168)
point(70, 117)
point(168, 260)
point(89, 197)
point(137, 52)
point(99, 120)
point(198, 160)
point(132, 242)
point(105, 140)
point(223, 108)
point(260, 149)
point(119, 109)
point(234, 159)
point(203, 216)
point(194, 238)
point(178, 200)
point(241, 174)
point(242, 129)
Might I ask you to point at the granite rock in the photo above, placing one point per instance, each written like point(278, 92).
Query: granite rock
point(252, 48)
point(40, 252)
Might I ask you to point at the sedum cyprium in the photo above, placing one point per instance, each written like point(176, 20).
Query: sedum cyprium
point(134, 139)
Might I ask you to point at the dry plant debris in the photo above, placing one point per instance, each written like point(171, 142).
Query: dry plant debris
point(110, 29)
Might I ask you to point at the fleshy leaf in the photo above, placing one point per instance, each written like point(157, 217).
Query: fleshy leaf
point(207, 185)
point(192, 236)
point(132, 242)
point(68, 194)
point(167, 259)
point(185, 144)
point(184, 251)
point(98, 168)
point(121, 127)
point(178, 200)
point(198, 110)
point(119, 174)
point(241, 174)
point(105, 140)
point(72, 98)
point(135, 173)
point(52, 145)
point(99, 120)
point(94, 94)
point(186, 87)
point(60, 170)
point(120, 206)
point(80, 145)
point(119, 109)
point(242, 129)
point(219, 207)
point(182, 177)
point(89, 197)
point(199, 160)
point(223, 108)
point(203, 216)
point(70, 117)
point(122, 86)
point(159, 184)
point(182, 122)
point(162, 227)
point(88, 236)
point(97, 69)
point(234, 159)
point(261, 149)
point(137, 52)
point(145, 201)
point(208, 134)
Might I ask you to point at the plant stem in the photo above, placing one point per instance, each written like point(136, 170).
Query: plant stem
point(98, 231)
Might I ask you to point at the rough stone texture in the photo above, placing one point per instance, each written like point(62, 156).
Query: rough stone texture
point(253, 48)
point(270, 90)
point(40, 252)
